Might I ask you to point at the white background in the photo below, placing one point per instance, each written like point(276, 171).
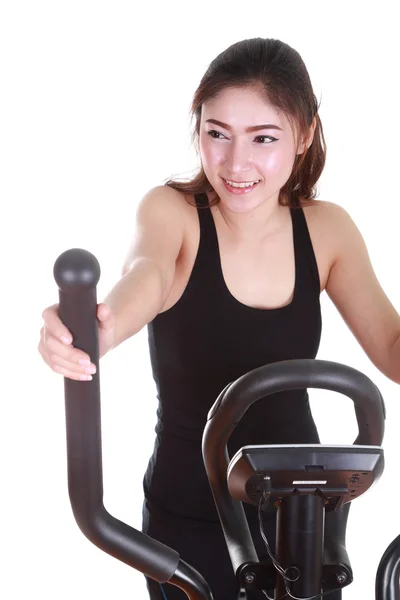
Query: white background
point(94, 112)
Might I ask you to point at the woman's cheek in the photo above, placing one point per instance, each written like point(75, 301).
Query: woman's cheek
point(278, 163)
point(211, 157)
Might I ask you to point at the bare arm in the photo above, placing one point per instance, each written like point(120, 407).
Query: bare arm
point(355, 290)
point(137, 298)
point(149, 268)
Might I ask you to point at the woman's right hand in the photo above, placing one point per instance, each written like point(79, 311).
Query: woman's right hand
point(57, 350)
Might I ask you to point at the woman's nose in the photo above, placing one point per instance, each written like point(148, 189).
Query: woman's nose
point(237, 157)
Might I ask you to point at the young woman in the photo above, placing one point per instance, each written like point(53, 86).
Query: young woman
point(226, 271)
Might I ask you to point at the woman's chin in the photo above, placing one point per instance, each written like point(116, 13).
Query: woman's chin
point(239, 204)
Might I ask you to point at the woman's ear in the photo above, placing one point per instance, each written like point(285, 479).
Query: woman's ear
point(307, 141)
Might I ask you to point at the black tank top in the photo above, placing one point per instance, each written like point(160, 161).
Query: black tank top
point(207, 340)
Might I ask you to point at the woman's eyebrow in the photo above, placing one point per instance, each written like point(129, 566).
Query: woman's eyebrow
point(248, 129)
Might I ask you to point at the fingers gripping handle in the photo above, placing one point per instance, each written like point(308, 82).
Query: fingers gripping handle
point(77, 273)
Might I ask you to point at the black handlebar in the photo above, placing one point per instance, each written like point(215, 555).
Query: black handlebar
point(237, 397)
point(77, 273)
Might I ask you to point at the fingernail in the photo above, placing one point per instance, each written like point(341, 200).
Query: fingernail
point(86, 378)
point(65, 340)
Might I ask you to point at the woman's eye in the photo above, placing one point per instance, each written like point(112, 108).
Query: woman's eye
point(212, 132)
point(266, 137)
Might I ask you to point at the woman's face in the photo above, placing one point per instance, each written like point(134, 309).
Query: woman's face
point(244, 140)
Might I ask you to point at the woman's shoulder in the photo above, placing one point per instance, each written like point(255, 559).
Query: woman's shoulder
point(180, 199)
point(182, 204)
point(322, 206)
point(166, 194)
point(327, 223)
point(324, 212)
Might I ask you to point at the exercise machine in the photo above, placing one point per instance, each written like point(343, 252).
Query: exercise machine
point(310, 485)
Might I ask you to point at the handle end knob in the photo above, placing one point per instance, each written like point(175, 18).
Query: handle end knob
point(76, 270)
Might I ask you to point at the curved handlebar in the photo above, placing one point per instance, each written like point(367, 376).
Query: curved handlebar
point(77, 273)
point(237, 397)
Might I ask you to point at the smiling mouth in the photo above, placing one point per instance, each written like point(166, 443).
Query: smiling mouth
point(241, 184)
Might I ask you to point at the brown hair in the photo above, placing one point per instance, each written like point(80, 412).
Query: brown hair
point(278, 71)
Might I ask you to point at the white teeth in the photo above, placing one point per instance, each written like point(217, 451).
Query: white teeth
point(241, 185)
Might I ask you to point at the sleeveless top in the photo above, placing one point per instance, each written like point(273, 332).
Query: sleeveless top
point(207, 340)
